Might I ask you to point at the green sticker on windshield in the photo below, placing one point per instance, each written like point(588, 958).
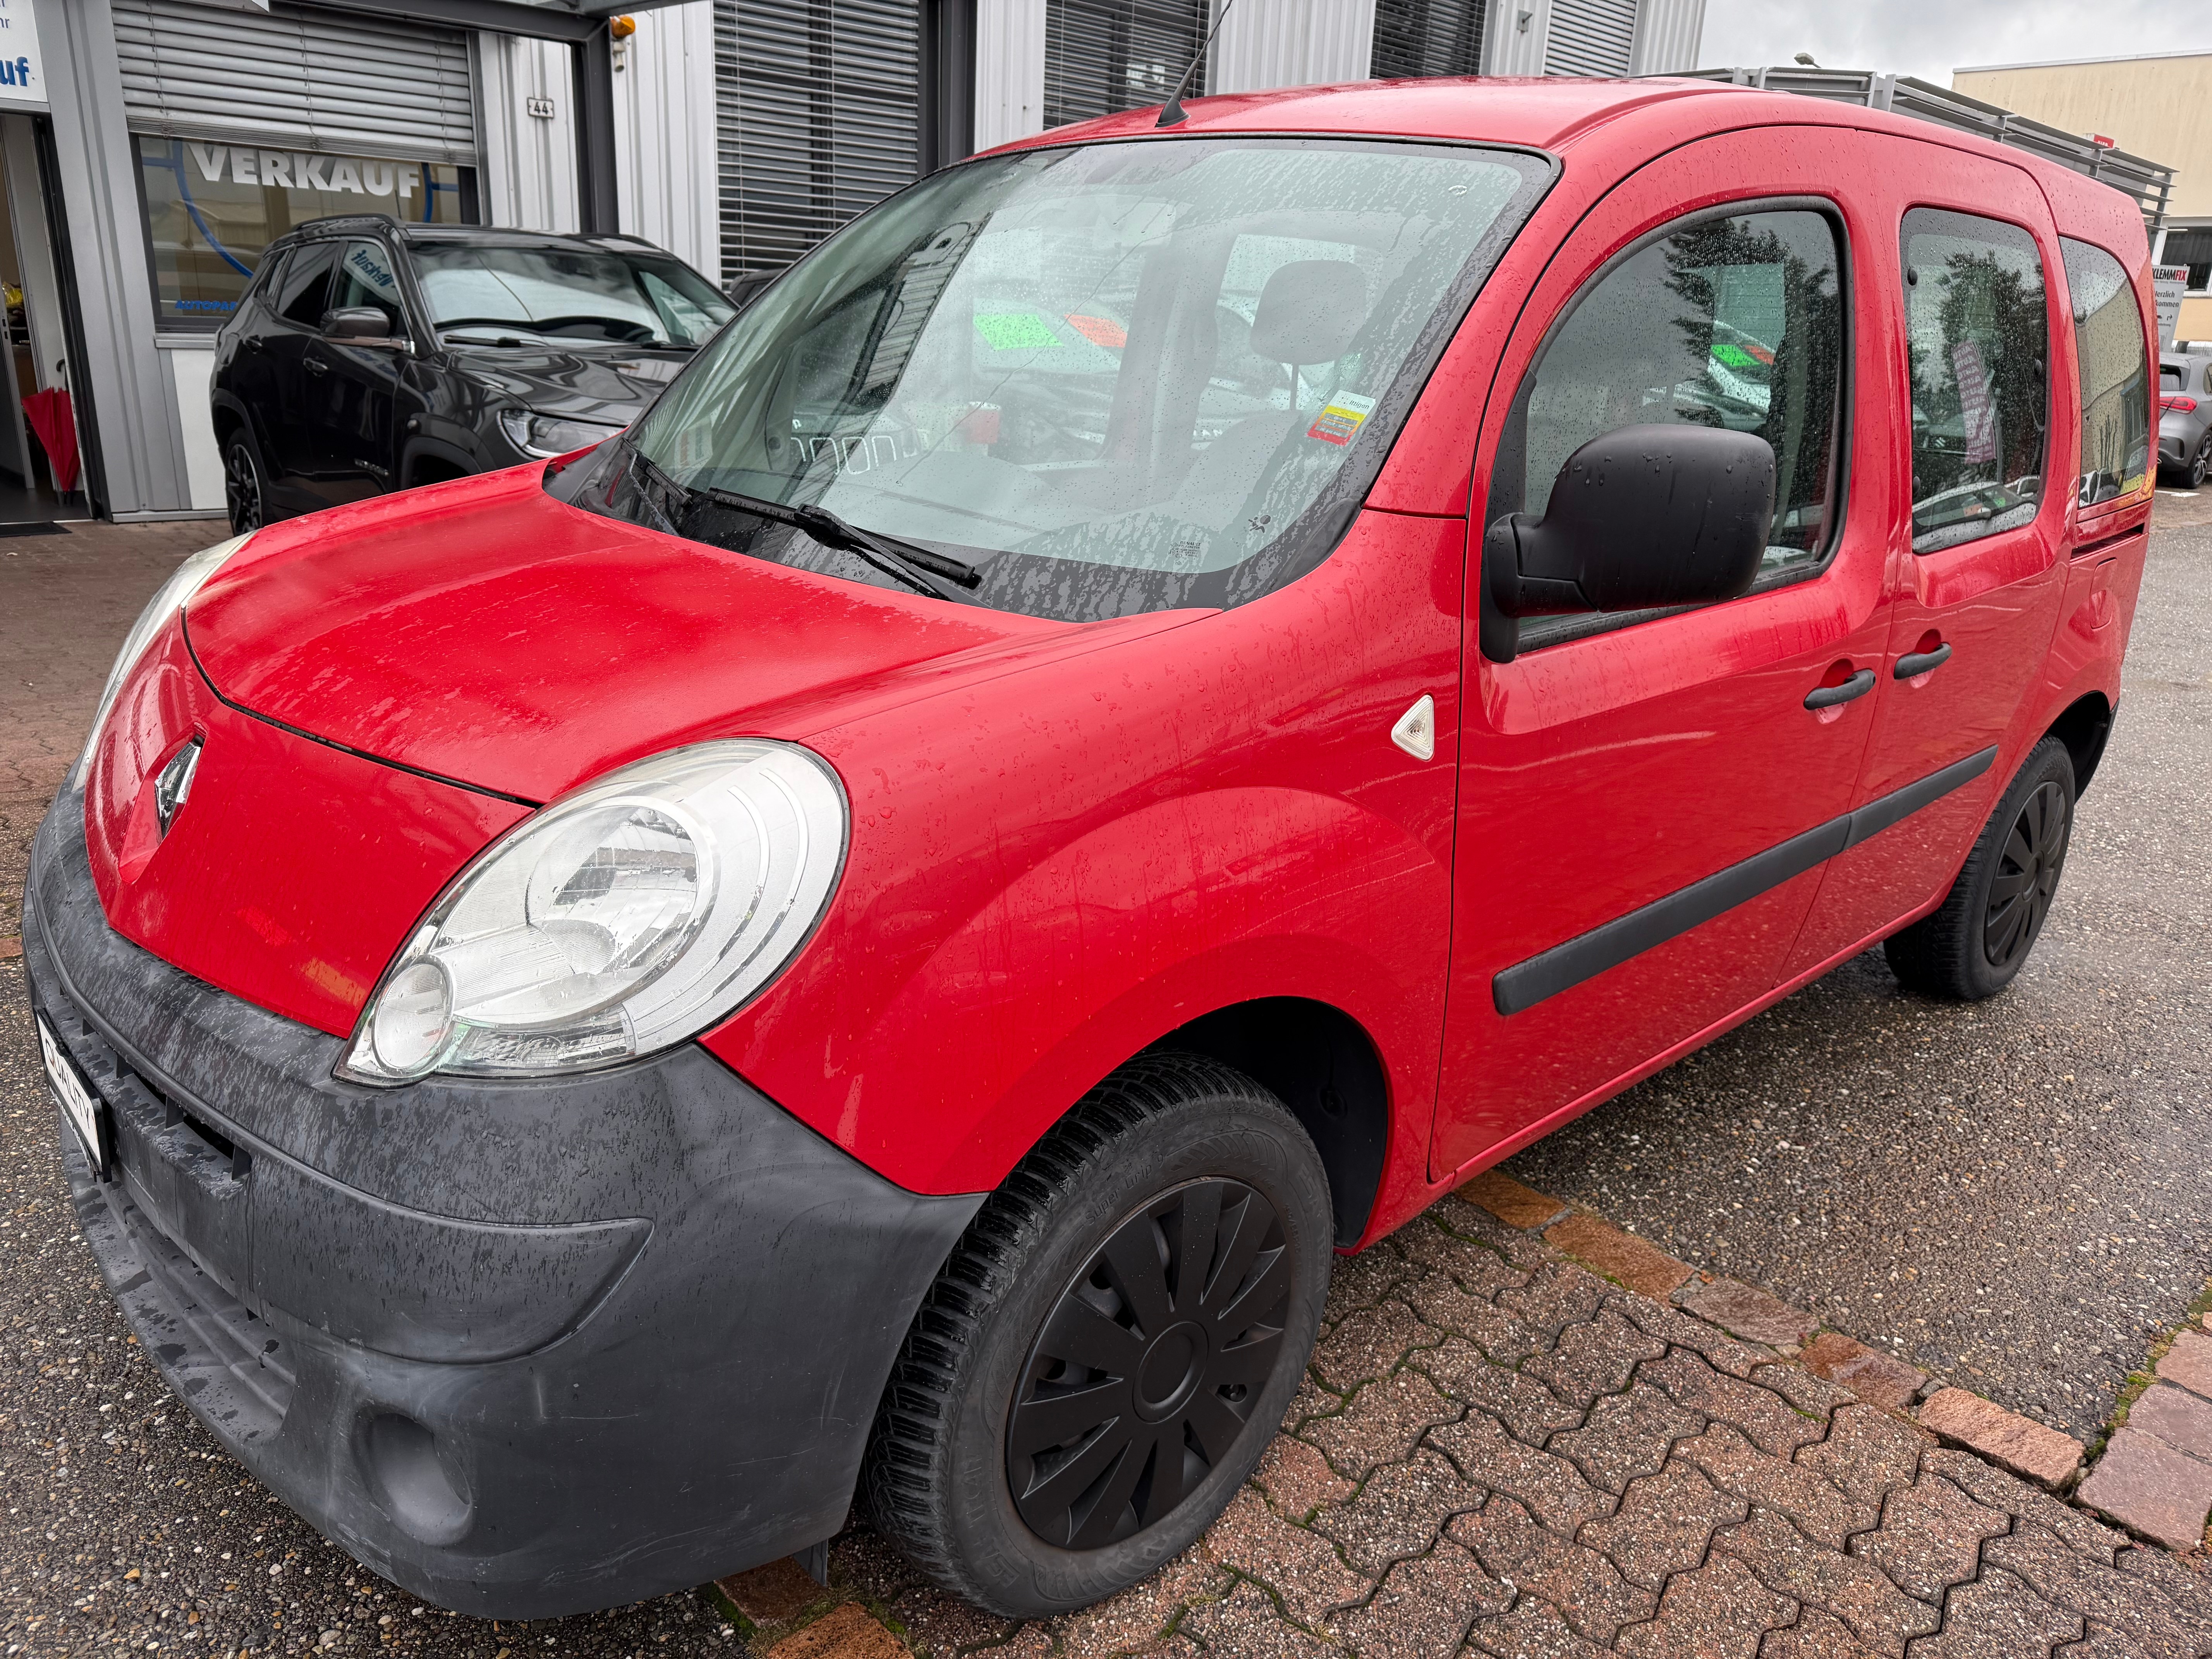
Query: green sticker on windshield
point(1015, 331)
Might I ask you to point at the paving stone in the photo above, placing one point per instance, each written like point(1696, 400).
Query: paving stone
point(1627, 1435)
point(2187, 1588)
point(2105, 1595)
point(1301, 1567)
point(1372, 1276)
point(1872, 1376)
point(1431, 1247)
point(1997, 1619)
point(1719, 1350)
point(772, 1594)
point(1368, 1343)
point(1441, 1302)
point(846, 1631)
point(1516, 1249)
point(1534, 1630)
point(1823, 1511)
point(1514, 1205)
point(1767, 1420)
point(1382, 1424)
point(2182, 1419)
point(1423, 1607)
point(1526, 1405)
point(1746, 1310)
point(1552, 1488)
point(1814, 1395)
point(2027, 1448)
point(1721, 1611)
point(1867, 1452)
point(941, 1626)
point(1931, 1537)
point(1137, 1619)
point(1880, 1616)
point(1297, 1479)
point(2189, 1363)
point(1586, 1588)
point(1595, 1358)
point(1664, 1524)
point(1245, 1625)
point(1399, 1512)
point(1816, 1635)
point(1636, 1262)
point(1557, 1294)
point(2150, 1488)
point(1996, 1490)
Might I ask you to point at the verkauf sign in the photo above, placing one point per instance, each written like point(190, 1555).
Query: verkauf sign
point(23, 77)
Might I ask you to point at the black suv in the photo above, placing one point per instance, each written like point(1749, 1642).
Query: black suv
point(369, 355)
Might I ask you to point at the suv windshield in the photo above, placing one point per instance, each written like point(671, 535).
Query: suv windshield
point(1114, 379)
point(487, 296)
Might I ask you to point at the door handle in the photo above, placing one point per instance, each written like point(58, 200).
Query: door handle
point(315, 365)
point(1922, 662)
point(1828, 696)
point(253, 343)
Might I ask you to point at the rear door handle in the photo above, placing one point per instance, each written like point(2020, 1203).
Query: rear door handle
point(1828, 696)
point(315, 365)
point(1922, 662)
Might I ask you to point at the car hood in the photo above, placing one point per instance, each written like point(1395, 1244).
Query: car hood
point(611, 383)
point(488, 634)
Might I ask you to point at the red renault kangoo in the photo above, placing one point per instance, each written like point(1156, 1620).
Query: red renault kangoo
point(1164, 697)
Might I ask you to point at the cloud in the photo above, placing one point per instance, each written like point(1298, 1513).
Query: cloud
point(1931, 38)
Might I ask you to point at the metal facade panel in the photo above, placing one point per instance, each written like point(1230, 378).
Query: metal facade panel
point(297, 79)
point(1427, 37)
point(1590, 36)
point(1668, 38)
point(817, 109)
point(664, 137)
point(1265, 44)
point(1101, 56)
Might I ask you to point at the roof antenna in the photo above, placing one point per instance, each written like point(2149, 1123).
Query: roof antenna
point(1172, 113)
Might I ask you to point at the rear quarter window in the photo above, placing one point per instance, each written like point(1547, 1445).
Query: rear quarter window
point(2115, 374)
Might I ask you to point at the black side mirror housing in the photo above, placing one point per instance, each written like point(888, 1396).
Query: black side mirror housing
point(356, 323)
point(1640, 518)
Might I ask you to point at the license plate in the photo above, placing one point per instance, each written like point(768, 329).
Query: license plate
point(78, 1103)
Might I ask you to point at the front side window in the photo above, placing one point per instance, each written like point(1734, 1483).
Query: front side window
point(366, 282)
point(496, 295)
point(1735, 322)
point(1977, 339)
point(1113, 379)
point(2115, 374)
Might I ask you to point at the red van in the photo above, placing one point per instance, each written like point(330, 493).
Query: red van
point(1164, 697)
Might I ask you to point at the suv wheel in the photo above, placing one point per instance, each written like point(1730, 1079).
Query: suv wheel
point(242, 489)
point(1973, 946)
point(1111, 1346)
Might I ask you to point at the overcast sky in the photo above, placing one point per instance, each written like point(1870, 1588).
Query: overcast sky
point(1931, 38)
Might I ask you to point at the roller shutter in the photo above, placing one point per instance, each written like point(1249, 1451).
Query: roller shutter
point(1590, 36)
point(817, 107)
point(1426, 37)
point(297, 79)
point(1101, 56)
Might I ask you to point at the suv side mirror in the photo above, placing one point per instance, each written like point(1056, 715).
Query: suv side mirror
point(1640, 518)
point(356, 323)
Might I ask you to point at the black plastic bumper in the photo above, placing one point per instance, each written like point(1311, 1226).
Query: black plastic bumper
point(524, 1349)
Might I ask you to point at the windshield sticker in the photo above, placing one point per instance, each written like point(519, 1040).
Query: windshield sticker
point(1099, 330)
point(1341, 418)
point(1015, 331)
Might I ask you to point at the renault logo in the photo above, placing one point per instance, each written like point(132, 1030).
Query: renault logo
point(175, 787)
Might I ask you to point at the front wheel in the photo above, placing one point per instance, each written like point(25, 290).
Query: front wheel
point(1972, 946)
point(243, 490)
point(1111, 1346)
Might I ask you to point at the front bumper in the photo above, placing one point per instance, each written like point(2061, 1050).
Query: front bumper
point(526, 1350)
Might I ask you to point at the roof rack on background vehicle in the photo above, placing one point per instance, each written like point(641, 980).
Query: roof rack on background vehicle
point(346, 222)
point(2149, 182)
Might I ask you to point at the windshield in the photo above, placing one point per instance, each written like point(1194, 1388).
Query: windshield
point(1113, 379)
point(487, 296)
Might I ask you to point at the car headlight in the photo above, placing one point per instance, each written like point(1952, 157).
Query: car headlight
point(617, 922)
point(191, 576)
point(551, 434)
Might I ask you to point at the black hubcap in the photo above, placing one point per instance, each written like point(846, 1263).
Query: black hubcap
point(1148, 1370)
point(242, 486)
point(2028, 875)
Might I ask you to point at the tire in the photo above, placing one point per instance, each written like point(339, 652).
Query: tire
point(2202, 462)
point(1972, 946)
point(245, 484)
point(978, 1471)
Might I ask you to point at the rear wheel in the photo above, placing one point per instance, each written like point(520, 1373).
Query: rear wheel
point(2202, 462)
point(1978, 940)
point(1111, 1346)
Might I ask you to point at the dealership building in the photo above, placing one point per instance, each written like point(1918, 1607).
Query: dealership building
point(151, 148)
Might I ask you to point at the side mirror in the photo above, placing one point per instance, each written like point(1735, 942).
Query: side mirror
point(1640, 518)
point(356, 323)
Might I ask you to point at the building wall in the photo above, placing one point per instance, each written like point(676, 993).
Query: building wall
point(527, 173)
point(2156, 108)
point(1667, 35)
point(1292, 43)
point(665, 151)
point(1008, 71)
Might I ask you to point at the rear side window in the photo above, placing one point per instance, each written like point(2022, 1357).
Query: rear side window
point(304, 294)
point(1977, 338)
point(2115, 370)
point(1735, 322)
point(2169, 378)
